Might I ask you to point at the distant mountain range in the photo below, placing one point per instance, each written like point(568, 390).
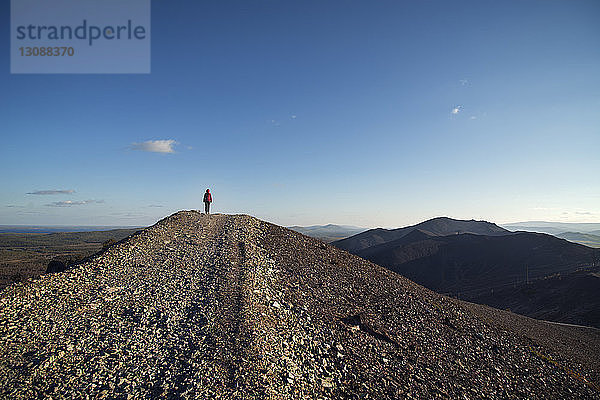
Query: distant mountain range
point(582, 233)
point(441, 226)
point(587, 239)
point(587, 234)
point(328, 233)
point(478, 260)
point(553, 227)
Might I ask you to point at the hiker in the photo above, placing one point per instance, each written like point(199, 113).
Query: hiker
point(207, 200)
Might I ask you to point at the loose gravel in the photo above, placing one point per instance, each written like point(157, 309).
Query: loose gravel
point(231, 307)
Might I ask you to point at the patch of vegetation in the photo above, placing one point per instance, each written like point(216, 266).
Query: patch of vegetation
point(28, 255)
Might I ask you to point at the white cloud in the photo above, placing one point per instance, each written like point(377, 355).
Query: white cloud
point(473, 117)
point(155, 146)
point(70, 203)
point(464, 82)
point(457, 109)
point(294, 116)
point(50, 192)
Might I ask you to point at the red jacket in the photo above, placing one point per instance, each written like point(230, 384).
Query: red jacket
point(207, 197)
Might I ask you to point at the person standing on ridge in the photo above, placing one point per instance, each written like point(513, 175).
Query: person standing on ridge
point(207, 201)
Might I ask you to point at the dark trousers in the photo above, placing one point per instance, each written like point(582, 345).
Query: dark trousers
point(207, 207)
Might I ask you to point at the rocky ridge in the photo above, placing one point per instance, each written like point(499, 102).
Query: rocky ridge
point(228, 306)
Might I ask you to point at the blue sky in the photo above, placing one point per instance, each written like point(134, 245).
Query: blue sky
point(369, 113)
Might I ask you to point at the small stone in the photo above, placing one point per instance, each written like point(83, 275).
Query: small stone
point(327, 382)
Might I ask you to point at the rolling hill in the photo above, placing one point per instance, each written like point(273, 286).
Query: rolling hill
point(467, 263)
point(553, 227)
point(441, 226)
point(582, 233)
point(586, 239)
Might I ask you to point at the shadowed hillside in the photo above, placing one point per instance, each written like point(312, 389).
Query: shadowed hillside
point(228, 306)
point(470, 263)
point(531, 273)
point(441, 226)
point(568, 298)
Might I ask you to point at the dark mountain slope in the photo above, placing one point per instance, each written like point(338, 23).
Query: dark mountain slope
point(469, 263)
point(441, 226)
point(233, 307)
point(493, 270)
point(568, 298)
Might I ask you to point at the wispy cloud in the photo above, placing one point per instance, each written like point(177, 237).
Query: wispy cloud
point(70, 203)
point(51, 192)
point(472, 117)
point(294, 116)
point(156, 146)
point(128, 214)
point(464, 82)
point(155, 205)
point(14, 206)
point(457, 109)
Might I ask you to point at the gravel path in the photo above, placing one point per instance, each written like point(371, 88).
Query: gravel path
point(227, 306)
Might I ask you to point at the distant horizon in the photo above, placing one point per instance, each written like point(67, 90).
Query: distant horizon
point(6, 226)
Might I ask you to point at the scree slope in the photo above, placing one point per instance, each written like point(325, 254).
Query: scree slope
point(230, 307)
